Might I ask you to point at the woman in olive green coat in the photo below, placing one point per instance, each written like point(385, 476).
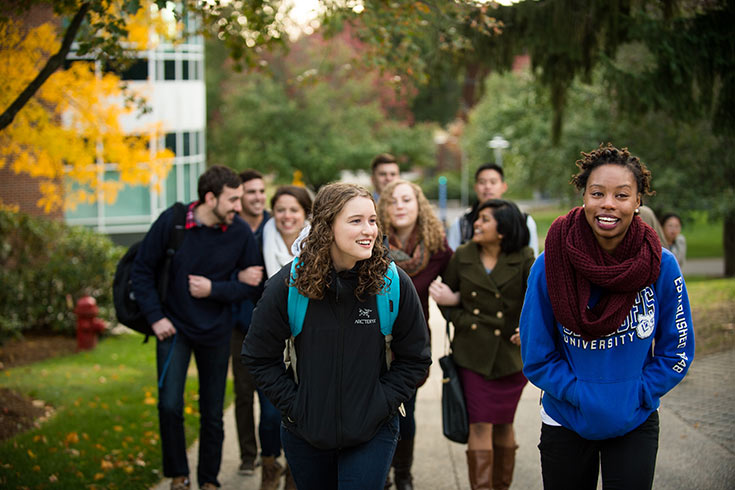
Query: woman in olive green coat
point(482, 295)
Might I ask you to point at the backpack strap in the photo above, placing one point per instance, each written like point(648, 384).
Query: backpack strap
point(388, 307)
point(175, 237)
point(387, 302)
point(388, 299)
point(297, 302)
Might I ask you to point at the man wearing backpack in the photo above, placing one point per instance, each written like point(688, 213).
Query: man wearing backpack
point(196, 316)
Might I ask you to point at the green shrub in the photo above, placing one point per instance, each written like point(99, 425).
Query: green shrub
point(46, 267)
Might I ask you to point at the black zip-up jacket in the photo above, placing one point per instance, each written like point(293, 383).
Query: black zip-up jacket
point(345, 392)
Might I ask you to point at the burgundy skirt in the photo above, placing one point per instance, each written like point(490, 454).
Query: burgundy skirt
point(491, 401)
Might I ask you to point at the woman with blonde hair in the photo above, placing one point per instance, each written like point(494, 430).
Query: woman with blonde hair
point(419, 246)
point(340, 400)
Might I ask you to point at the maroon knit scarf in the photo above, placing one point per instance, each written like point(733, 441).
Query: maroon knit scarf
point(575, 261)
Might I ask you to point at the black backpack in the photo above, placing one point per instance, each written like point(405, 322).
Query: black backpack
point(126, 308)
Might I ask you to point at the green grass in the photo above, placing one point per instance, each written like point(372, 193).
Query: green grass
point(713, 311)
point(704, 238)
point(104, 432)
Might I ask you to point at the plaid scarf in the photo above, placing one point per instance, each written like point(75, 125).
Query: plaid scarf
point(575, 261)
point(411, 256)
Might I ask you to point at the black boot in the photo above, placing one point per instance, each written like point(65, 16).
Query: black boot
point(402, 462)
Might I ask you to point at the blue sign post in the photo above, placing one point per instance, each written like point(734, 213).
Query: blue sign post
point(443, 200)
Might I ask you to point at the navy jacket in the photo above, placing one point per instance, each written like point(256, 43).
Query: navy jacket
point(204, 251)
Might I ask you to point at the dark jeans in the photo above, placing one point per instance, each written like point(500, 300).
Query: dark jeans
point(362, 467)
point(212, 368)
point(269, 428)
point(628, 462)
point(244, 397)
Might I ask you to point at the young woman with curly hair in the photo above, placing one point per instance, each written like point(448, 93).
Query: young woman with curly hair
point(340, 420)
point(606, 331)
point(419, 246)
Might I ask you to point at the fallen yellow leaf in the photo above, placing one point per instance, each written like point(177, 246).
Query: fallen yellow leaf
point(36, 468)
point(72, 438)
point(118, 428)
point(30, 453)
point(99, 476)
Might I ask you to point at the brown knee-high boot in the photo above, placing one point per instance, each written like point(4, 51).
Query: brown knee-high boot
point(271, 471)
point(480, 466)
point(503, 465)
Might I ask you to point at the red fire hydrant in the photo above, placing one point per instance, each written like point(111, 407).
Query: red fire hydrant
point(88, 325)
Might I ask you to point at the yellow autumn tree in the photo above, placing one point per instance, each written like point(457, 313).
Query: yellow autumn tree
point(69, 133)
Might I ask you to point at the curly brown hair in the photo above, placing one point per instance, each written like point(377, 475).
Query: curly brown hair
point(315, 259)
point(430, 229)
point(611, 155)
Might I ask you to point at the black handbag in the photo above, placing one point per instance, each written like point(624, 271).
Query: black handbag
point(455, 421)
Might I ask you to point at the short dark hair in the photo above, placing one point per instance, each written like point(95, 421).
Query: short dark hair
point(214, 179)
point(511, 223)
point(381, 159)
point(604, 155)
point(299, 193)
point(489, 166)
point(670, 215)
point(250, 174)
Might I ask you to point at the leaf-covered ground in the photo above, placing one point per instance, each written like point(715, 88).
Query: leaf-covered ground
point(19, 413)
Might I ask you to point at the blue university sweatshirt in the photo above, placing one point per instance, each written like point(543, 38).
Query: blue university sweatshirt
point(607, 387)
point(212, 252)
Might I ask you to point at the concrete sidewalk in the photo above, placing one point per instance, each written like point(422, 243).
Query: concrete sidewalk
point(696, 445)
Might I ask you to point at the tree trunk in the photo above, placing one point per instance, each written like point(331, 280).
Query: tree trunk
point(728, 242)
point(472, 87)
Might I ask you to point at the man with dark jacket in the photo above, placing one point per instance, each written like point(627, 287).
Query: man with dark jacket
point(255, 215)
point(196, 316)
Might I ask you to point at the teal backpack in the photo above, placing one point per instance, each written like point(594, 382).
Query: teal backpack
point(387, 300)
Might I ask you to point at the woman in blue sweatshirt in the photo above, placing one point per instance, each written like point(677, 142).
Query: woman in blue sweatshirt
point(606, 331)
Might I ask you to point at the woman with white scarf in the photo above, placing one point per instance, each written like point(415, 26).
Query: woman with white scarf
point(290, 206)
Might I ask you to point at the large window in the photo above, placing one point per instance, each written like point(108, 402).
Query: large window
point(137, 206)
